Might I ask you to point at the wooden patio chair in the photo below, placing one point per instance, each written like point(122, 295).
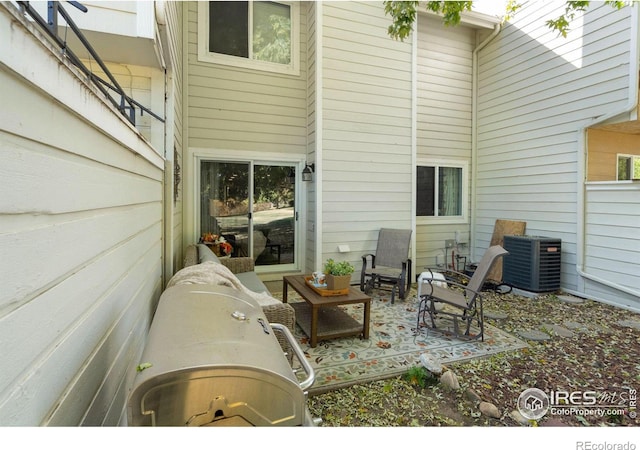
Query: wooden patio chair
point(462, 304)
point(390, 265)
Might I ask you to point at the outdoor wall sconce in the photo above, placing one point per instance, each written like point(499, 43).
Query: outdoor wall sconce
point(307, 173)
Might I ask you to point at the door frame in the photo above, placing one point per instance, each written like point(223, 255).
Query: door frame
point(192, 205)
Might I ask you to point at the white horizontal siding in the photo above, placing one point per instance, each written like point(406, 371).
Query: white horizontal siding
point(535, 92)
point(81, 237)
point(115, 17)
point(612, 247)
point(366, 128)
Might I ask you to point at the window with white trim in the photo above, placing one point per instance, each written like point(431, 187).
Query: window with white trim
point(442, 191)
point(258, 35)
point(628, 167)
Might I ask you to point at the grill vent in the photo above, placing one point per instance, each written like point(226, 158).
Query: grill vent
point(533, 263)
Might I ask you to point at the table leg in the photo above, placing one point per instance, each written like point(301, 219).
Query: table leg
point(314, 326)
point(367, 316)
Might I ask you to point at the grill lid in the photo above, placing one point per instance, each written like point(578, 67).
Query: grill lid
point(213, 359)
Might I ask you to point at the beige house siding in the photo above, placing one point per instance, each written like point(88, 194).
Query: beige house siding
point(81, 233)
point(444, 99)
point(536, 91)
point(366, 129)
point(235, 108)
point(238, 112)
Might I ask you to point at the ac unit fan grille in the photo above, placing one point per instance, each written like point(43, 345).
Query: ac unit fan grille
point(533, 263)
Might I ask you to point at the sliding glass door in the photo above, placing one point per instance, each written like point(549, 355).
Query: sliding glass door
point(252, 205)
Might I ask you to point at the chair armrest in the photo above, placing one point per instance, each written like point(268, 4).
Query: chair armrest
point(465, 291)
point(450, 272)
point(239, 265)
point(406, 268)
point(368, 257)
point(281, 313)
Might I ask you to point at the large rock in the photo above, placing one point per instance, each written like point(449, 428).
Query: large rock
point(450, 380)
point(489, 410)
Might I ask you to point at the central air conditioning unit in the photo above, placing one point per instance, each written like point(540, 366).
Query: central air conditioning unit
point(533, 263)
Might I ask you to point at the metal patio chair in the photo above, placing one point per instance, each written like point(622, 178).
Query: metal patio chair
point(390, 265)
point(462, 304)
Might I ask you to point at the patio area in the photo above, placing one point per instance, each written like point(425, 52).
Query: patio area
point(570, 344)
point(393, 346)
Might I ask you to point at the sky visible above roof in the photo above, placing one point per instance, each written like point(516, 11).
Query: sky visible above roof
point(490, 7)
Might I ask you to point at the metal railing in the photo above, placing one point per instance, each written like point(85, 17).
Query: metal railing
point(111, 89)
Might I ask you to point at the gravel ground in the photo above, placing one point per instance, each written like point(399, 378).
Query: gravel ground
point(602, 355)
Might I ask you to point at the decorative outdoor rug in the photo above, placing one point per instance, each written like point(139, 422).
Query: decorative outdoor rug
point(393, 347)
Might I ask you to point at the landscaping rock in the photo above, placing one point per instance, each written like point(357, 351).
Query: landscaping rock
point(472, 396)
point(450, 380)
point(553, 422)
point(519, 418)
point(431, 364)
point(489, 410)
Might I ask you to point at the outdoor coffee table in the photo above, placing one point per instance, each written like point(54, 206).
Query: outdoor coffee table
point(319, 316)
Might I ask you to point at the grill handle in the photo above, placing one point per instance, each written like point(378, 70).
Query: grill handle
point(311, 376)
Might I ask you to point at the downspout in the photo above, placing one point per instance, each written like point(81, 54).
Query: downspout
point(631, 109)
point(474, 134)
point(317, 229)
point(167, 226)
point(414, 141)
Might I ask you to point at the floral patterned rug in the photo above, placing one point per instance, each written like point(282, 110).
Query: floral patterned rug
point(393, 346)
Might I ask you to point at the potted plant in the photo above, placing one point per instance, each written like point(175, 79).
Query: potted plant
point(217, 243)
point(338, 274)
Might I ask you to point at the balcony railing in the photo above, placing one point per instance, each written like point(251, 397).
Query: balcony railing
point(111, 88)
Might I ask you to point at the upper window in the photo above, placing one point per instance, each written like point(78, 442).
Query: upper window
point(254, 34)
point(441, 191)
point(628, 167)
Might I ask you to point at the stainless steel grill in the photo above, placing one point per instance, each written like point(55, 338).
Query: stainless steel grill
point(212, 359)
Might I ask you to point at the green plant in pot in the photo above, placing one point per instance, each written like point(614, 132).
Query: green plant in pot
point(338, 274)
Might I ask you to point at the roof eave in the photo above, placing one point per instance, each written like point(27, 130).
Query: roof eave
point(471, 19)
